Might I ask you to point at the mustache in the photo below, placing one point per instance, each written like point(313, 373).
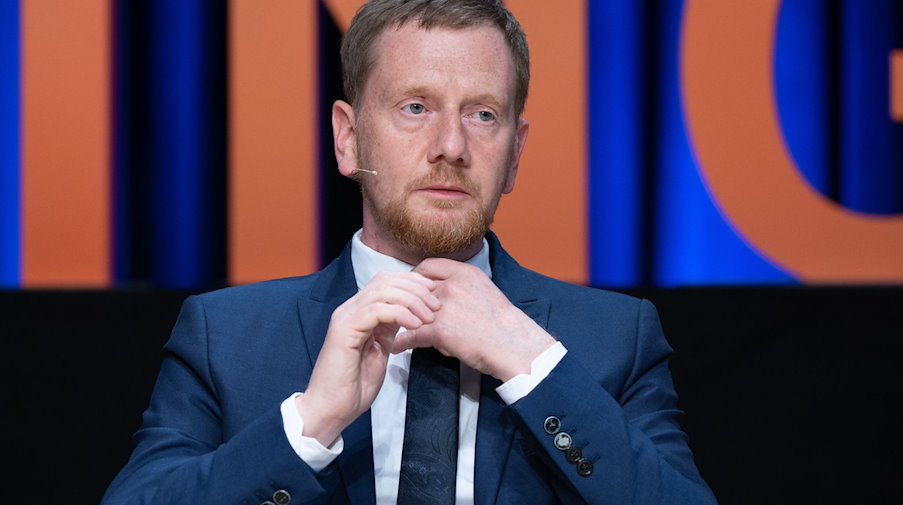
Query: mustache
point(444, 174)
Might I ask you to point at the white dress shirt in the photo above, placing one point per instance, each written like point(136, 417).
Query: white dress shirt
point(387, 414)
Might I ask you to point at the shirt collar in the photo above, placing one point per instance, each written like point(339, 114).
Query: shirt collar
point(368, 262)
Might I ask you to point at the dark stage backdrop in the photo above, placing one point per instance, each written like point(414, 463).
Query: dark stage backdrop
point(789, 392)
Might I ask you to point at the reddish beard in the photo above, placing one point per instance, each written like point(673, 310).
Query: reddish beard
point(440, 235)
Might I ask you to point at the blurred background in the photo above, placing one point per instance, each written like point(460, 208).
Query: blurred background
point(738, 163)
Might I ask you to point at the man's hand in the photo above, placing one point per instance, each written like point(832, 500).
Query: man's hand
point(352, 364)
point(476, 324)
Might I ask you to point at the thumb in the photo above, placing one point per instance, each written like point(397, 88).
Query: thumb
point(410, 339)
point(436, 268)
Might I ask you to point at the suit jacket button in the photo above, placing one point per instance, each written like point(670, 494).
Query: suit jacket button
point(268, 502)
point(281, 497)
point(584, 468)
point(574, 454)
point(552, 425)
point(563, 441)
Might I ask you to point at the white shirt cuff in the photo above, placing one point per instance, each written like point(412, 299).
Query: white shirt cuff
point(316, 455)
point(521, 385)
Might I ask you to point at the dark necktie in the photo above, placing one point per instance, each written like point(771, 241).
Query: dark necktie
point(429, 456)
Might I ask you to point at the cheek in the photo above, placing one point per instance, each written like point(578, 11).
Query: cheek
point(499, 173)
point(384, 187)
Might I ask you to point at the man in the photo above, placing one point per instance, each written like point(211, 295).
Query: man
point(295, 390)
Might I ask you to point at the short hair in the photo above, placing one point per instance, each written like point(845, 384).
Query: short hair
point(374, 17)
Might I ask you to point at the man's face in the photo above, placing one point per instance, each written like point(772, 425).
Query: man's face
point(436, 122)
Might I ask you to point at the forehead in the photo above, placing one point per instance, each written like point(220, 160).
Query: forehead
point(474, 59)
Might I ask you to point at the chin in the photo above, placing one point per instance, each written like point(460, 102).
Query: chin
point(442, 235)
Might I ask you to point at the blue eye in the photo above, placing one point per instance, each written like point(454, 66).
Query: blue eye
point(415, 108)
point(485, 116)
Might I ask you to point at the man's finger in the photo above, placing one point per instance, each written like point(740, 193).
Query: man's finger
point(423, 305)
point(401, 290)
point(410, 339)
point(438, 268)
point(394, 314)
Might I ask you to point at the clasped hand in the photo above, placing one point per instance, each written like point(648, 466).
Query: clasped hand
point(442, 303)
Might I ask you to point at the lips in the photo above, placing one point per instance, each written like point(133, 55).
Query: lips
point(446, 192)
point(444, 188)
point(444, 184)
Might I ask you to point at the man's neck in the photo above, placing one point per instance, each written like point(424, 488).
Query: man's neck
point(412, 256)
point(368, 262)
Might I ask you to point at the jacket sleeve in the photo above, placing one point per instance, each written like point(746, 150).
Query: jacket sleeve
point(625, 447)
point(182, 454)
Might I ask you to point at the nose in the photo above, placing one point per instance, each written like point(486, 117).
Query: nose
point(450, 142)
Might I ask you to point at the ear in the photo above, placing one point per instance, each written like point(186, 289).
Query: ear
point(344, 136)
point(520, 139)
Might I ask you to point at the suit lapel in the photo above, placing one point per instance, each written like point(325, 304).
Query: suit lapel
point(335, 285)
point(356, 461)
point(495, 428)
point(495, 432)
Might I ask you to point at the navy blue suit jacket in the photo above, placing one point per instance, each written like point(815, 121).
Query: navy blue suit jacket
point(213, 430)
